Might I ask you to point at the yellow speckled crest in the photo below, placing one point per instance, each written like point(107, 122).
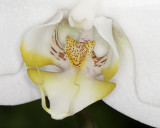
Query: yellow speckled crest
point(76, 52)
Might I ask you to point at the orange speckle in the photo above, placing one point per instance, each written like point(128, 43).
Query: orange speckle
point(76, 52)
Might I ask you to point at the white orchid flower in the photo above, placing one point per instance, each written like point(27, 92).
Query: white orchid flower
point(75, 53)
point(137, 91)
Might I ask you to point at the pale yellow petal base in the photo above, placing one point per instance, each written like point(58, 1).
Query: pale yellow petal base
point(34, 59)
point(110, 71)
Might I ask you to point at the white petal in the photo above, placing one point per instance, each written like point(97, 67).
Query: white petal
point(16, 17)
point(124, 97)
point(140, 21)
point(104, 40)
point(17, 88)
point(15, 85)
point(103, 26)
point(41, 46)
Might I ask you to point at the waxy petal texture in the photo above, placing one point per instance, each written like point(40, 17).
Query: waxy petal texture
point(76, 86)
point(125, 77)
point(66, 95)
point(139, 20)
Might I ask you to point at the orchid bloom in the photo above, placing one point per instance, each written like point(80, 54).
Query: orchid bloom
point(81, 55)
point(133, 65)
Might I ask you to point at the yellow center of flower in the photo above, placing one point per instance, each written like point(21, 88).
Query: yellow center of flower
point(76, 52)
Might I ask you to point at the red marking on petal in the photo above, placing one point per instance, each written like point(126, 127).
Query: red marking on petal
point(61, 55)
point(53, 49)
point(51, 53)
point(56, 40)
point(104, 60)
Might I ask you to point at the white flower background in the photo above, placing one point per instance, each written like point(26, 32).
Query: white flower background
point(137, 94)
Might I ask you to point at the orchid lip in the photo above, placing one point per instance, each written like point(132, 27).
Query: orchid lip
point(74, 52)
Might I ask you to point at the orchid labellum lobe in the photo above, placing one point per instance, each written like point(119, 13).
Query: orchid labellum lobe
point(81, 55)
